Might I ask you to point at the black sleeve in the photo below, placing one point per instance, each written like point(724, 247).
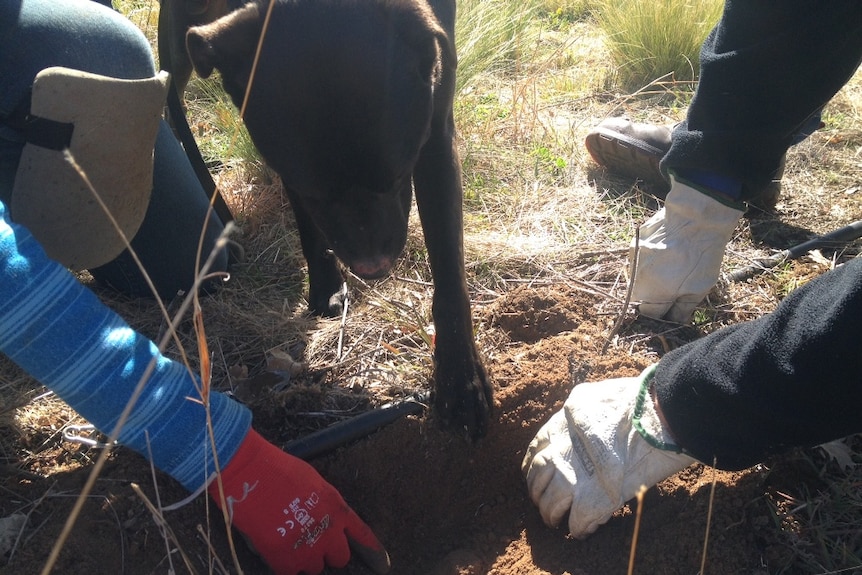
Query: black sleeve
point(765, 69)
point(790, 378)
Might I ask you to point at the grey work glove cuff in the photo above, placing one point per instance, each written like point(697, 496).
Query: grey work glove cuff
point(679, 253)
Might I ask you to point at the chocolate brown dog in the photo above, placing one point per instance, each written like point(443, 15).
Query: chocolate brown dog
point(351, 103)
point(175, 18)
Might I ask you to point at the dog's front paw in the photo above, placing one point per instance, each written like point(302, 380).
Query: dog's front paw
point(464, 398)
point(325, 303)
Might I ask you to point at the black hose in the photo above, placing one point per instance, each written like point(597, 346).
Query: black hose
point(347, 431)
point(842, 235)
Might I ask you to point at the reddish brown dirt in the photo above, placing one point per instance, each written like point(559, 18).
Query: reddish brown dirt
point(442, 506)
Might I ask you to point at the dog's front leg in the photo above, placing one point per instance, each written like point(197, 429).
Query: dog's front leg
point(463, 395)
point(325, 282)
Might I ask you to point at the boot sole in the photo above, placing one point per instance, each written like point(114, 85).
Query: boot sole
point(625, 155)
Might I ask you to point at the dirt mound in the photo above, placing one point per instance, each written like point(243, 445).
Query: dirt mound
point(445, 507)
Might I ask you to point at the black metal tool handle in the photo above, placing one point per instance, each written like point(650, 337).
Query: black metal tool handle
point(344, 432)
point(841, 235)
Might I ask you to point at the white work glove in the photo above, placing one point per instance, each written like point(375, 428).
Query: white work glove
point(590, 458)
point(680, 252)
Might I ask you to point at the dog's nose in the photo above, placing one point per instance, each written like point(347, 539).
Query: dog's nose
point(372, 268)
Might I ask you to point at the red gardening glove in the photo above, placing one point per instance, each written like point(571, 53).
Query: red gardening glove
point(290, 515)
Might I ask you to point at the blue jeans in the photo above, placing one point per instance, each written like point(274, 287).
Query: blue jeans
point(84, 35)
point(766, 70)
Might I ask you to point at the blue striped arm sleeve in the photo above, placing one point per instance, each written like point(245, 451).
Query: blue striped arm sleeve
point(62, 335)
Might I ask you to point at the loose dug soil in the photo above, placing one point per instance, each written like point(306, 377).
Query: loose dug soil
point(441, 505)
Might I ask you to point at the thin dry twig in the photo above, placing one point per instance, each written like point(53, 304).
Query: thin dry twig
point(123, 417)
point(33, 507)
point(631, 284)
point(164, 527)
point(212, 552)
point(709, 517)
point(633, 549)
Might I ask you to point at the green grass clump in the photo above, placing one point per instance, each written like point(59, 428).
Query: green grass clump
point(490, 35)
point(215, 122)
point(561, 11)
point(653, 39)
point(142, 13)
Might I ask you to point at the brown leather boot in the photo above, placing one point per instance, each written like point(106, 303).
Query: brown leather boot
point(630, 149)
point(635, 149)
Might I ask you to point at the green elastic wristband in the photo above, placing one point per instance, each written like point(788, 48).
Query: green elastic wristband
point(640, 406)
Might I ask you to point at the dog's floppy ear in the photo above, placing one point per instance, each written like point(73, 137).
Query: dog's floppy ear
point(430, 42)
point(228, 44)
